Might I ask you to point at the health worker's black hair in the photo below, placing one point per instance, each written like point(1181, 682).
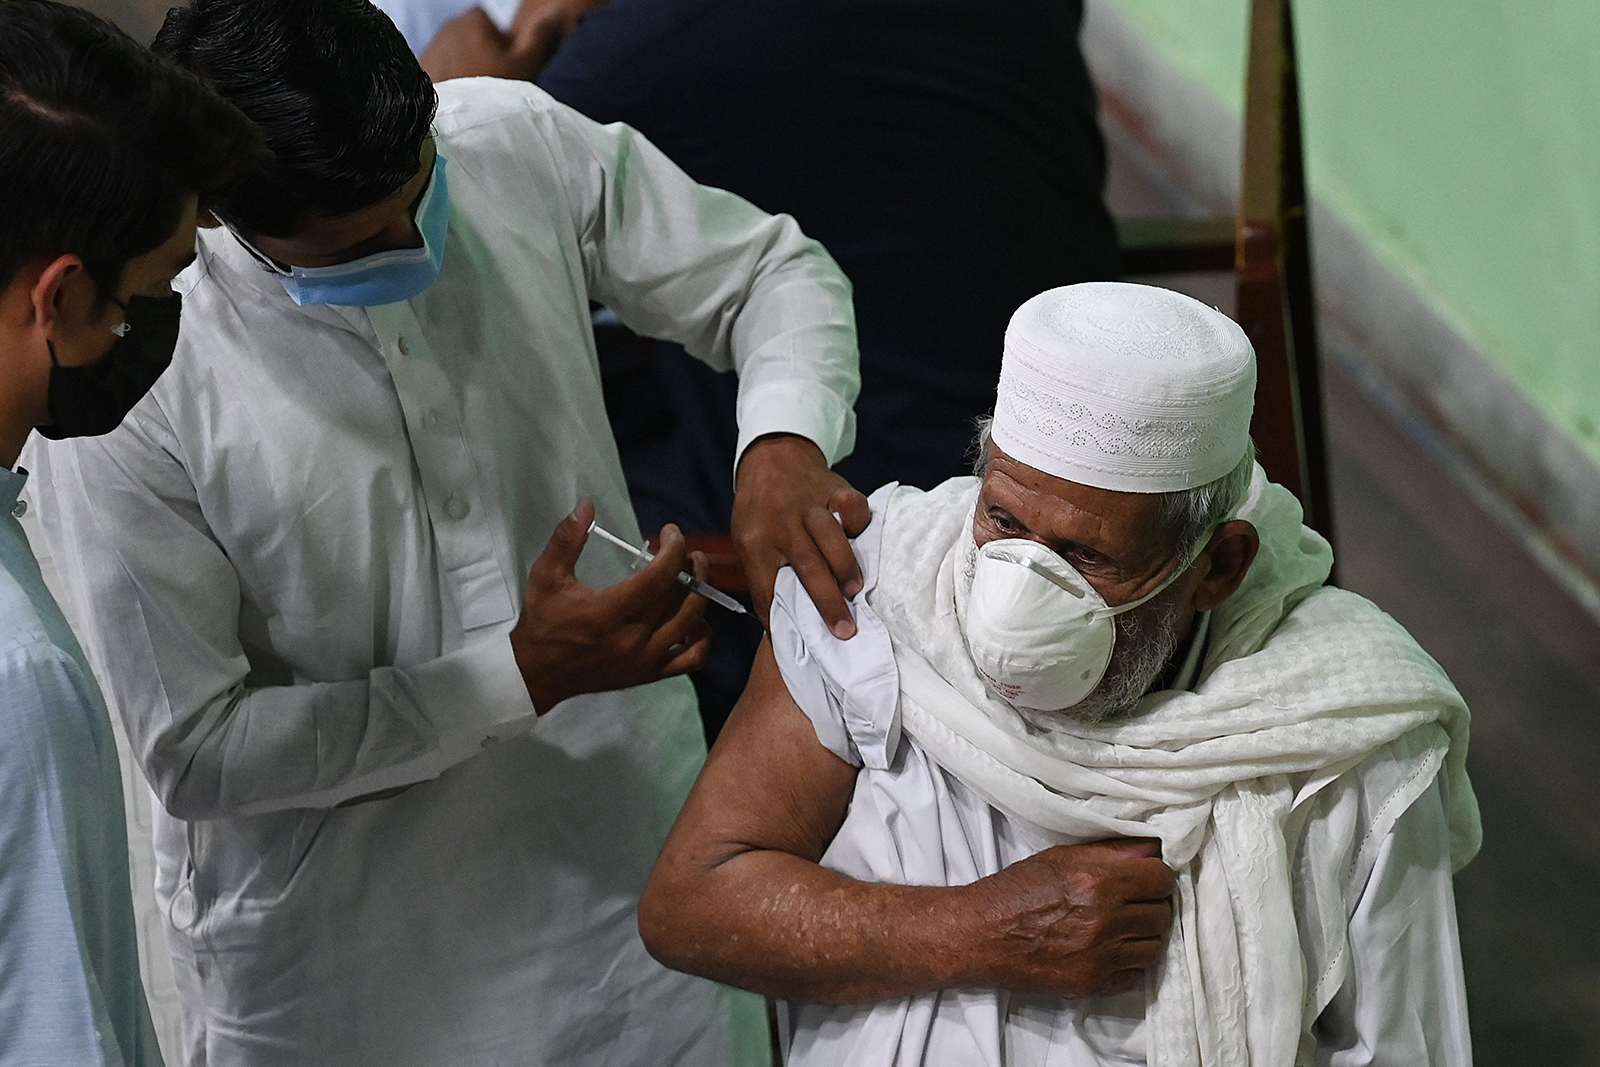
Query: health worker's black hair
point(101, 142)
point(343, 104)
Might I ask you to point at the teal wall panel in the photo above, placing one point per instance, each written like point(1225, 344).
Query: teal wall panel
point(1462, 139)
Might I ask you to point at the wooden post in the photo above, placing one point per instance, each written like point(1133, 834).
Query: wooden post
point(1276, 306)
point(1300, 297)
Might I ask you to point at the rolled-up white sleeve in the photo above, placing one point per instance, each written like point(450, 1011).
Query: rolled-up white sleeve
point(1403, 1002)
point(740, 289)
point(850, 690)
point(160, 604)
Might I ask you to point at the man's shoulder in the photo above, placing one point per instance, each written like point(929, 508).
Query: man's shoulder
point(466, 104)
point(912, 516)
point(27, 610)
point(1284, 627)
point(43, 695)
point(825, 675)
point(503, 137)
point(1349, 633)
point(49, 706)
point(918, 529)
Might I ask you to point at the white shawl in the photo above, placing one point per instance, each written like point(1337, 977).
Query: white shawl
point(1299, 684)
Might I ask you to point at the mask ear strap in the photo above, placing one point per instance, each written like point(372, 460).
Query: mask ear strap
point(259, 256)
point(431, 190)
point(1178, 572)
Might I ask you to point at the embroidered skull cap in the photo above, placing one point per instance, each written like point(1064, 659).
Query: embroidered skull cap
point(1125, 387)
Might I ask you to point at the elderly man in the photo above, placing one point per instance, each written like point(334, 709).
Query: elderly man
point(1118, 630)
point(415, 762)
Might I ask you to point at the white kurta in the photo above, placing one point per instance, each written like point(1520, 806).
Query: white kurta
point(297, 563)
point(911, 821)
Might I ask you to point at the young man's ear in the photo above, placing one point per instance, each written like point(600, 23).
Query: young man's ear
point(57, 288)
point(1231, 551)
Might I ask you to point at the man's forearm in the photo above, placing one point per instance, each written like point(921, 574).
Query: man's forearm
point(261, 750)
point(783, 926)
point(739, 894)
point(1071, 921)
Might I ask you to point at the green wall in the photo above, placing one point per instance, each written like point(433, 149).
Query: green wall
point(1462, 138)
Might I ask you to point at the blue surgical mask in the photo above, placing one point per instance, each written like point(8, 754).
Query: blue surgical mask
point(383, 277)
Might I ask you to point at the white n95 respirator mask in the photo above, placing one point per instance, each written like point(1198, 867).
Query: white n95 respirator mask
point(1037, 631)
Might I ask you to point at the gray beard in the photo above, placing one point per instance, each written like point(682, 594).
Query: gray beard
point(1147, 639)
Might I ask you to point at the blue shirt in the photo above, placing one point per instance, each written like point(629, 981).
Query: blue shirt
point(70, 991)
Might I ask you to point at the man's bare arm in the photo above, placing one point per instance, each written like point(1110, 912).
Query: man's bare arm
point(738, 894)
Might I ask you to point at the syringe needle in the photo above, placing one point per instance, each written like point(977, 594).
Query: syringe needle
point(716, 596)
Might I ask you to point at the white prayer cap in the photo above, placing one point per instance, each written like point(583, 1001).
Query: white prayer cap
point(1125, 387)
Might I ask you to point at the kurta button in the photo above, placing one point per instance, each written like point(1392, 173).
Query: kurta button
point(456, 508)
point(405, 349)
point(430, 419)
point(19, 509)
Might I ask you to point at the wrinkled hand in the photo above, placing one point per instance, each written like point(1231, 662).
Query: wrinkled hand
point(572, 639)
point(1074, 920)
point(471, 45)
point(784, 513)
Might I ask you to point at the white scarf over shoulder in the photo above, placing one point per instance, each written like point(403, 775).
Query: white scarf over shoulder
point(1299, 684)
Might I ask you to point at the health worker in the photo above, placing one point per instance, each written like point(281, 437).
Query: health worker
point(416, 747)
point(104, 150)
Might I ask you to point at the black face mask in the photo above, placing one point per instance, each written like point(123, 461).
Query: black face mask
point(92, 400)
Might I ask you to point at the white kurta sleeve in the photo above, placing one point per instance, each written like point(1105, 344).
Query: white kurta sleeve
point(850, 690)
point(737, 287)
point(160, 604)
point(1404, 1002)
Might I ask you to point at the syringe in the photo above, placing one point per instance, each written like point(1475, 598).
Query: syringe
point(716, 596)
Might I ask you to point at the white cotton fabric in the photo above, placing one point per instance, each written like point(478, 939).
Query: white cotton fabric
point(1300, 684)
point(1253, 917)
point(1126, 387)
point(296, 564)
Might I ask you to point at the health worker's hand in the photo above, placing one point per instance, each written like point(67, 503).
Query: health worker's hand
point(1073, 920)
point(471, 45)
point(572, 639)
point(784, 512)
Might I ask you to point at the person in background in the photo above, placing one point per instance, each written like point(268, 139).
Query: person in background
point(946, 152)
point(104, 151)
point(415, 745)
point(500, 39)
